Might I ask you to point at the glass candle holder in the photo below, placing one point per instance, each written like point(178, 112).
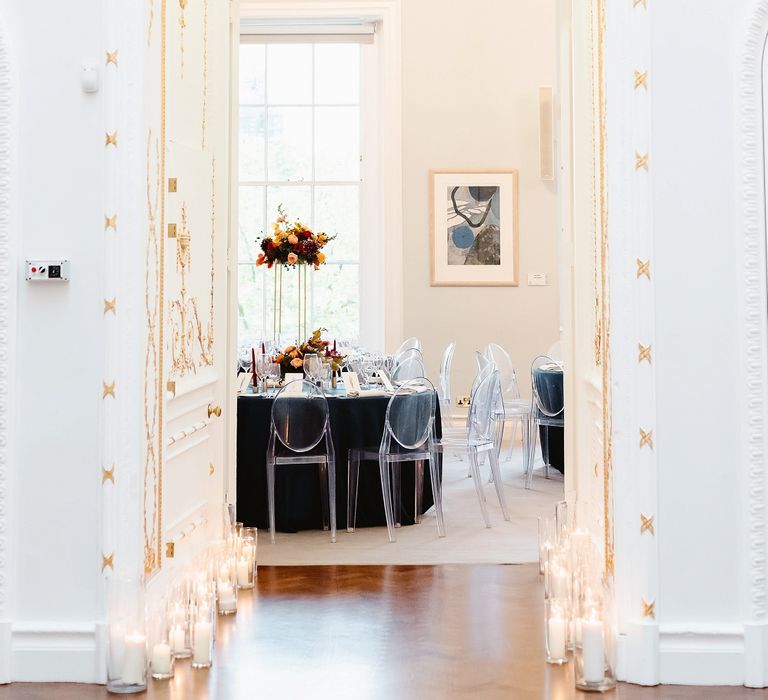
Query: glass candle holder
point(595, 651)
point(253, 533)
point(202, 640)
point(245, 561)
point(546, 540)
point(557, 583)
point(226, 585)
point(161, 656)
point(178, 623)
point(561, 519)
point(126, 636)
point(556, 630)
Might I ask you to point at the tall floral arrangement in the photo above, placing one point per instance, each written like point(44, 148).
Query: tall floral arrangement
point(292, 244)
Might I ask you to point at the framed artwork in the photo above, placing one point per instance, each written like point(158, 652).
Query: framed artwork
point(474, 228)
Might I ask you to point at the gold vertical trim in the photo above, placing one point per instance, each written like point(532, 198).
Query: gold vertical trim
point(204, 121)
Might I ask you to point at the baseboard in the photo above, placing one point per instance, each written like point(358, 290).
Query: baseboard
point(702, 655)
point(637, 654)
point(5, 652)
point(756, 655)
point(63, 652)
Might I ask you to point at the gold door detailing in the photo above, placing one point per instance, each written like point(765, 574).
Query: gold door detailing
point(646, 524)
point(213, 256)
point(635, 3)
point(108, 474)
point(184, 324)
point(649, 609)
point(150, 21)
point(152, 375)
point(644, 353)
point(214, 411)
point(646, 438)
point(111, 58)
point(110, 139)
point(643, 268)
point(110, 305)
point(641, 79)
point(641, 161)
point(203, 125)
point(107, 390)
point(110, 222)
point(107, 560)
point(182, 27)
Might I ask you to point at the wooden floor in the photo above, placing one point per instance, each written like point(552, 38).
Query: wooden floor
point(381, 633)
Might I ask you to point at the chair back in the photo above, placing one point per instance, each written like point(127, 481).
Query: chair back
point(507, 375)
point(407, 369)
point(547, 386)
point(300, 420)
point(411, 414)
point(482, 361)
point(485, 407)
point(445, 374)
point(408, 344)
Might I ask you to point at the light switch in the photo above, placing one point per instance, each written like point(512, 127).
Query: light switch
point(47, 270)
point(537, 279)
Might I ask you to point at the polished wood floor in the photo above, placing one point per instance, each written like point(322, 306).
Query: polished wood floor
point(381, 633)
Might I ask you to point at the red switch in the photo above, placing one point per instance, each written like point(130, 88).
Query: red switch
point(34, 269)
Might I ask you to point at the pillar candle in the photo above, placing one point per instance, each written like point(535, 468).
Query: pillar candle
point(178, 642)
point(556, 636)
point(161, 659)
point(201, 650)
point(593, 655)
point(227, 600)
point(243, 574)
point(134, 660)
point(116, 650)
point(559, 584)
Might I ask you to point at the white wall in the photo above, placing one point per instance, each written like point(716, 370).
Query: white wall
point(471, 73)
point(58, 201)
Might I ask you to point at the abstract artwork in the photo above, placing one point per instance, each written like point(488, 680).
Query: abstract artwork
point(474, 228)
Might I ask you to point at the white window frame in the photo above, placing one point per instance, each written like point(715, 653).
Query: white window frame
point(381, 245)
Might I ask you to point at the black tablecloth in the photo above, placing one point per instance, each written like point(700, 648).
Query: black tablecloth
point(355, 422)
point(549, 384)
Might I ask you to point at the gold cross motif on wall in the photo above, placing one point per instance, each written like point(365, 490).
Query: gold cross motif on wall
point(644, 268)
point(111, 57)
point(110, 222)
point(648, 609)
point(108, 390)
point(646, 438)
point(646, 524)
point(107, 560)
point(641, 79)
point(643, 353)
point(110, 305)
point(635, 3)
point(108, 475)
point(641, 161)
point(110, 139)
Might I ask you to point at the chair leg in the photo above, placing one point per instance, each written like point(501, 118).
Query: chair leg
point(512, 438)
point(331, 469)
point(437, 491)
point(479, 485)
point(498, 441)
point(498, 483)
point(323, 474)
point(353, 478)
point(419, 491)
point(396, 491)
point(533, 437)
point(271, 499)
point(386, 492)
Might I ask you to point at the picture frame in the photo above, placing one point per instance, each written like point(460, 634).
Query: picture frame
point(474, 228)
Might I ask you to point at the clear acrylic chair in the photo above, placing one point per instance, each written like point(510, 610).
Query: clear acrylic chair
point(479, 438)
point(516, 409)
point(408, 344)
point(409, 436)
point(410, 367)
point(548, 404)
point(301, 434)
point(445, 381)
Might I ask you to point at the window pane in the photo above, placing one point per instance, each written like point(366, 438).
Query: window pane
point(252, 72)
point(289, 74)
point(337, 73)
point(251, 152)
point(252, 225)
point(296, 201)
point(336, 301)
point(290, 143)
point(337, 143)
point(250, 304)
point(337, 212)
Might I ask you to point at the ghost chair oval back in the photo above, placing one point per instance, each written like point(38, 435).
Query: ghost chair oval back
point(409, 436)
point(412, 343)
point(516, 409)
point(548, 406)
point(407, 369)
point(301, 434)
point(445, 381)
point(479, 437)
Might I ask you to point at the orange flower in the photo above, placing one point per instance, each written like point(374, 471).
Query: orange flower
point(260, 260)
point(293, 239)
point(321, 258)
point(297, 362)
point(292, 258)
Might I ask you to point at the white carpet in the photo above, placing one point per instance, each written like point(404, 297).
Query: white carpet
point(467, 539)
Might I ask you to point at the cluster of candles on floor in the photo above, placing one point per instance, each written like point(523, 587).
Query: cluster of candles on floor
point(183, 626)
point(578, 617)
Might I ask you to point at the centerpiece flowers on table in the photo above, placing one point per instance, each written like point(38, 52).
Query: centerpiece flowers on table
point(292, 358)
point(292, 244)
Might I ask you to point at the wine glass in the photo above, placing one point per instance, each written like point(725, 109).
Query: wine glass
point(312, 367)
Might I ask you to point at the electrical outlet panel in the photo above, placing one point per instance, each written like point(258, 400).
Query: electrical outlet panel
point(47, 270)
point(463, 401)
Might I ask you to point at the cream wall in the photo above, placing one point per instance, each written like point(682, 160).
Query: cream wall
point(471, 73)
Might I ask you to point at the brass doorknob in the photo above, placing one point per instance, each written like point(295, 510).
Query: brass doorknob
point(214, 411)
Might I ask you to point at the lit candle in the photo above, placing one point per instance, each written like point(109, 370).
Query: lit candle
point(559, 583)
point(243, 578)
point(116, 650)
point(543, 555)
point(134, 660)
point(557, 629)
point(161, 659)
point(178, 641)
point(227, 599)
point(592, 652)
point(201, 650)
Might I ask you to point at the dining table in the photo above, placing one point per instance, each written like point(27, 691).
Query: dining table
point(355, 422)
